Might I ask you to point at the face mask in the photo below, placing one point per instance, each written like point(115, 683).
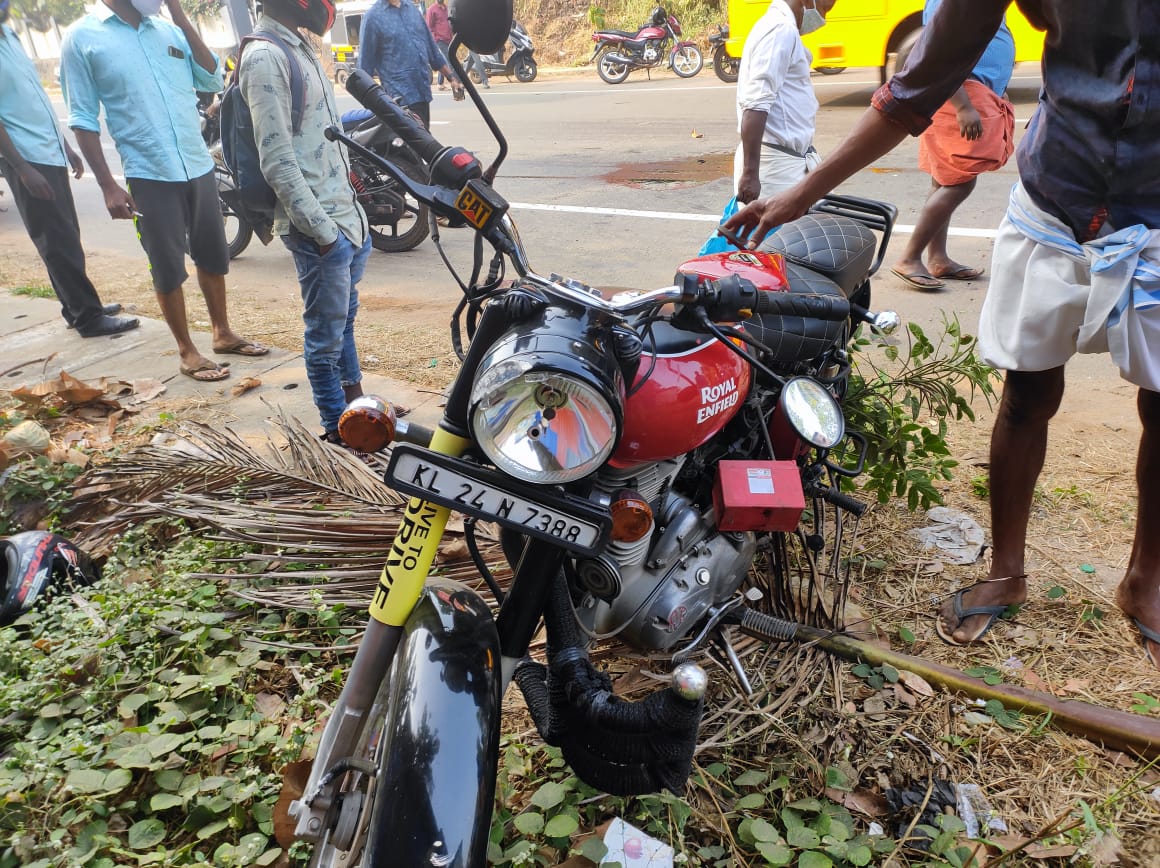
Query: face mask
point(147, 7)
point(812, 20)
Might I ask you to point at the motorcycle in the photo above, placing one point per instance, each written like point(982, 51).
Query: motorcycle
point(619, 52)
point(398, 221)
point(239, 233)
point(519, 61)
point(638, 452)
point(724, 64)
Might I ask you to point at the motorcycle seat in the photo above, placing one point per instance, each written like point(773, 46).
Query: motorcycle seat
point(794, 338)
point(837, 247)
point(357, 118)
point(622, 33)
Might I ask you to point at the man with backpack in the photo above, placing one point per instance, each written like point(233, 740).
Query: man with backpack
point(291, 103)
point(145, 72)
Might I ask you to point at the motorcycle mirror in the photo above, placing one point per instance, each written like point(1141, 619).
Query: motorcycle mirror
point(483, 25)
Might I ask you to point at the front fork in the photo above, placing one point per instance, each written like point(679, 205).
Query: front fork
point(400, 584)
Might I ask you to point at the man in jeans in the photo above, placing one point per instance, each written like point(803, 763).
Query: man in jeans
point(318, 216)
point(396, 46)
point(145, 72)
point(34, 158)
point(439, 24)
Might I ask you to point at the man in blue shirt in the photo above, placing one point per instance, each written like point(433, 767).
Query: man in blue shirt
point(34, 157)
point(396, 45)
point(145, 72)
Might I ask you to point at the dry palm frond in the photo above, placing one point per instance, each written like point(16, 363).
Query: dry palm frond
point(316, 519)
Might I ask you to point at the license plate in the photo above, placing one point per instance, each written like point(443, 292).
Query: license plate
point(570, 521)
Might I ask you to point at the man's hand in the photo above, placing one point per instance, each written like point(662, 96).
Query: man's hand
point(119, 203)
point(324, 249)
point(75, 161)
point(35, 182)
point(970, 124)
point(748, 188)
point(175, 9)
point(763, 215)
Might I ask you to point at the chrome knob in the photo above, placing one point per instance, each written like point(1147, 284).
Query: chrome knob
point(886, 322)
point(689, 681)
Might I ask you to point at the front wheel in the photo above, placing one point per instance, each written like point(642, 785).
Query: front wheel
point(725, 66)
point(612, 71)
point(687, 61)
point(526, 70)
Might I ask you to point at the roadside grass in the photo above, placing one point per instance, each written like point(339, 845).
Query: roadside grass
point(34, 290)
point(148, 720)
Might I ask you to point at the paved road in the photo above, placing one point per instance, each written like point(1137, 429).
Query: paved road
point(616, 186)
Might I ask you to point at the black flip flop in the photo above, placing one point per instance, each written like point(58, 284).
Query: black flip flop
point(993, 614)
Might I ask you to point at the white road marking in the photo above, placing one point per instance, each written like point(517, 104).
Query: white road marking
point(687, 216)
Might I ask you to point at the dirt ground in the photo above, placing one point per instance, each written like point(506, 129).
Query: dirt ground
point(1068, 640)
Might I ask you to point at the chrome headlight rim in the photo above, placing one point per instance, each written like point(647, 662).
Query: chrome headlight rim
point(516, 397)
point(813, 412)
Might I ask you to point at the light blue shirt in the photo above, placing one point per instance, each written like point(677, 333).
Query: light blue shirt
point(998, 61)
point(147, 81)
point(25, 111)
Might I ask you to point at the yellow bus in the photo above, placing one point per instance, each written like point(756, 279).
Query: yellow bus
point(869, 32)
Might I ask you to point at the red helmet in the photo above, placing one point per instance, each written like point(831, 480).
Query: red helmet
point(33, 565)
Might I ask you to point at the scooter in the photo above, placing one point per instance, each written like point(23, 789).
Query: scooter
point(519, 61)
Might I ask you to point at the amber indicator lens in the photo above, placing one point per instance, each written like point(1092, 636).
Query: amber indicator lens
point(368, 423)
point(632, 518)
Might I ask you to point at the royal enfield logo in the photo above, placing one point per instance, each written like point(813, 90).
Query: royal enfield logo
point(717, 399)
point(747, 258)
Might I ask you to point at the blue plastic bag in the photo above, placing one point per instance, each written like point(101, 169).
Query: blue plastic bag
point(717, 243)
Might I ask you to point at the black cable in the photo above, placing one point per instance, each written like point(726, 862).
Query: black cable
point(714, 330)
point(477, 559)
point(647, 333)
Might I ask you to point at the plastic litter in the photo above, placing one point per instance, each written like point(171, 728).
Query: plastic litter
point(976, 812)
point(629, 847)
point(956, 535)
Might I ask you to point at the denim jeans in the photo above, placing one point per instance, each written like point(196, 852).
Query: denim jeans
point(330, 301)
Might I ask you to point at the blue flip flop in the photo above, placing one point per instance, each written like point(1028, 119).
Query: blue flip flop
point(993, 614)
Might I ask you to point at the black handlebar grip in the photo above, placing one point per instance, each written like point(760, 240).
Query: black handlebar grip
point(824, 307)
point(843, 501)
point(368, 92)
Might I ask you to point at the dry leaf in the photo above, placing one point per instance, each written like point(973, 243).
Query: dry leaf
point(453, 551)
point(697, 135)
point(294, 777)
point(915, 683)
point(1106, 851)
point(66, 387)
point(269, 705)
point(932, 568)
point(1076, 685)
point(875, 707)
point(866, 802)
point(1030, 679)
point(904, 696)
point(244, 385)
point(1039, 851)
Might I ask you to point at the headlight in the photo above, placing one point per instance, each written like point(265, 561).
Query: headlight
point(813, 412)
point(545, 416)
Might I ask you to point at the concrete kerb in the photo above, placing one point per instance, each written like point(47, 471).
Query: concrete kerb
point(35, 346)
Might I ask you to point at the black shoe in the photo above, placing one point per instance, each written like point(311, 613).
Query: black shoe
point(111, 309)
point(108, 325)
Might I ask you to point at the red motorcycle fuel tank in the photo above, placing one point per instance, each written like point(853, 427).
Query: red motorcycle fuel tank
point(693, 391)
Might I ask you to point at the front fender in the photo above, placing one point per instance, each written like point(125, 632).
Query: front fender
point(436, 782)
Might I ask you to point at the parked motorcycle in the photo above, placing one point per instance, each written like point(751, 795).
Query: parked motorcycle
point(619, 52)
point(398, 221)
point(519, 60)
point(724, 64)
point(239, 233)
point(637, 452)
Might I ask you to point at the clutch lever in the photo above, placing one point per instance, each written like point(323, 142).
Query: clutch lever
point(439, 198)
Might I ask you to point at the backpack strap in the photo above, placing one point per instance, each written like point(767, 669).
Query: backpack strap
point(297, 90)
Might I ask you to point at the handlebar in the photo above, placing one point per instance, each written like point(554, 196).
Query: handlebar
point(368, 92)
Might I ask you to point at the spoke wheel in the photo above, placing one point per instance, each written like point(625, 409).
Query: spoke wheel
point(687, 61)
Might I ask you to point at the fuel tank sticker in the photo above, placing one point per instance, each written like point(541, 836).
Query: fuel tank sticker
point(717, 399)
